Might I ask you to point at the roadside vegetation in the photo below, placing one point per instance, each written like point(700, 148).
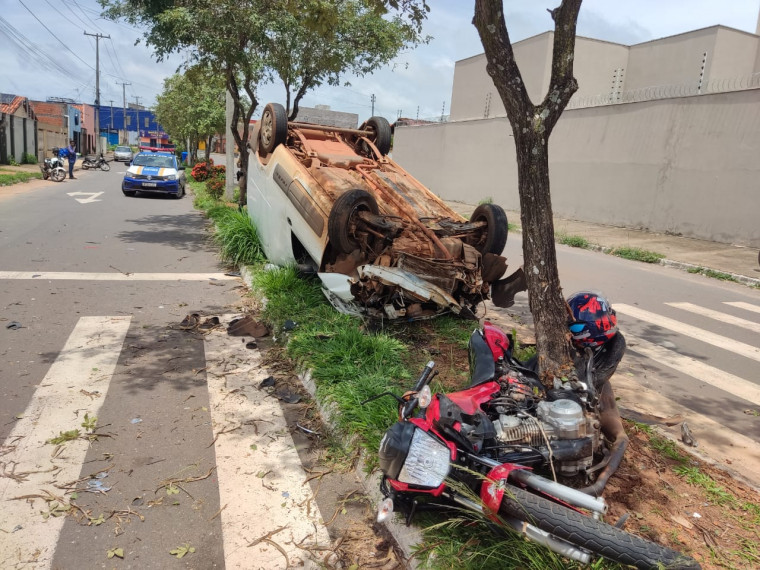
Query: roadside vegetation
point(350, 362)
point(712, 273)
point(8, 177)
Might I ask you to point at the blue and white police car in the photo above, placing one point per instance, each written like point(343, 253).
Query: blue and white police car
point(156, 172)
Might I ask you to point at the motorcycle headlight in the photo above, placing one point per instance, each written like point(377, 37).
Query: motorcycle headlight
point(427, 462)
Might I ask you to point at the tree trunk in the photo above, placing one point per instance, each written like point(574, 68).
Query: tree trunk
point(547, 305)
point(531, 127)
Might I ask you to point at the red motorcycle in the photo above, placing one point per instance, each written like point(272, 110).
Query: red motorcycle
point(493, 436)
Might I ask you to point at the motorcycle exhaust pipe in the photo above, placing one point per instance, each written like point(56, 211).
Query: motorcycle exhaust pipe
point(531, 532)
point(575, 497)
point(613, 430)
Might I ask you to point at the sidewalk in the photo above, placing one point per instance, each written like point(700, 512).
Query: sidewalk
point(684, 253)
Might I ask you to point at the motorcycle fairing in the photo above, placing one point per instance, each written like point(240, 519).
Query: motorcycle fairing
point(482, 364)
point(469, 430)
point(492, 492)
point(498, 341)
point(425, 425)
point(470, 400)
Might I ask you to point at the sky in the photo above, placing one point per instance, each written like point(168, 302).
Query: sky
point(44, 51)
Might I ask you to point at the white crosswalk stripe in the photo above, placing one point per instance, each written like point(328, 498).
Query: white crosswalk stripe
point(86, 364)
point(114, 276)
point(709, 337)
point(708, 374)
point(743, 305)
point(717, 315)
point(260, 447)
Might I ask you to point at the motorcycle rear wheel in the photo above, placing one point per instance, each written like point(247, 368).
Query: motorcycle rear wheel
point(590, 534)
point(58, 175)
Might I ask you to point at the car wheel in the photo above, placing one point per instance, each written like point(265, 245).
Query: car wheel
point(180, 192)
point(274, 127)
point(494, 237)
point(128, 193)
point(382, 130)
point(342, 223)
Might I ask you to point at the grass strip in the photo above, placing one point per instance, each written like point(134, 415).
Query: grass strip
point(712, 273)
point(7, 179)
point(571, 240)
point(637, 254)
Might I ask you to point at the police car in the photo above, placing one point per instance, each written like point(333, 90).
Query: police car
point(156, 172)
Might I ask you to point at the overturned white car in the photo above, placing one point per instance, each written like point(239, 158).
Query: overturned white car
point(382, 243)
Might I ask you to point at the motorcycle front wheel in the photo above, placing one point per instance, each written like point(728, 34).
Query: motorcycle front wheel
point(58, 175)
point(105, 166)
point(590, 534)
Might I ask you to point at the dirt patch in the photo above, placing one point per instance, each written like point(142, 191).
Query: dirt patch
point(715, 521)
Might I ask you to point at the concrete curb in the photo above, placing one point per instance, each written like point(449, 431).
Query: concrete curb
point(405, 536)
point(743, 279)
point(683, 266)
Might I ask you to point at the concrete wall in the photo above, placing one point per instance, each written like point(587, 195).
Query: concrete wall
point(602, 68)
point(687, 165)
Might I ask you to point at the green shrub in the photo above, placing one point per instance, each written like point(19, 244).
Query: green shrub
point(28, 158)
point(215, 187)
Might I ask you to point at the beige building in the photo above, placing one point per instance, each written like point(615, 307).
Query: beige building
point(663, 135)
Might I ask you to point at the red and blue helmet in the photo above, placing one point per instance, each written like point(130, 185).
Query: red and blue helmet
point(594, 320)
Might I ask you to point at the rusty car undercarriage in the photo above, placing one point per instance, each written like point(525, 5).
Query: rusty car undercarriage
point(406, 254)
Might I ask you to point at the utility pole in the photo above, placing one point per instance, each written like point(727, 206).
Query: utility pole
point(373, 99)
point(111, 101)
point(124, 110)
point(137, 109)
point(97, 87)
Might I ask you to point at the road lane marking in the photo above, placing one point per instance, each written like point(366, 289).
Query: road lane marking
point(743, 305)
point(261, 480)
point(691, 367)
point(717, 315)
point(92, 197)
point(86, 364)
point(723, 342)
point(73, 275)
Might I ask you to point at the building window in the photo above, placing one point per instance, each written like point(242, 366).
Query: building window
point(129, 121)
point(147, 122)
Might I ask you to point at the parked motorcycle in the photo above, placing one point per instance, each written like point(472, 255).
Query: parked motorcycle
point(52, 168)
point(96, 162)
point(495, 436)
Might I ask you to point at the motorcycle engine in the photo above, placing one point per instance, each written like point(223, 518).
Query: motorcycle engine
point(560, 428)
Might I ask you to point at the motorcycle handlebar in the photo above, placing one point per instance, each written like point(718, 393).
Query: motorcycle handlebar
point(423, 379)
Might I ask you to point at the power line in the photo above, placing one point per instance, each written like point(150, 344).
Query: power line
point(56, 37)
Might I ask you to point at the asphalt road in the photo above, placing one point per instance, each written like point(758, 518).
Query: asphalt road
point(98, 283)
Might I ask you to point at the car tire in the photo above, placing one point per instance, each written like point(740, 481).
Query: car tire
point(496, 231)
point(382, 133)
point(274, 127)
point(180, 192)
point(341, 219)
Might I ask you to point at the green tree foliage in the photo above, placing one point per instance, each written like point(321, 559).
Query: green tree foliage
point(349, 37)
point(247, 42)
point(191, 106)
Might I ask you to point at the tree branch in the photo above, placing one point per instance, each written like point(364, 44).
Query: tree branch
point(501, 64)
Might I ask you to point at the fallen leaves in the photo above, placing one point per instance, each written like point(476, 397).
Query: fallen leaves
point(181, 551)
